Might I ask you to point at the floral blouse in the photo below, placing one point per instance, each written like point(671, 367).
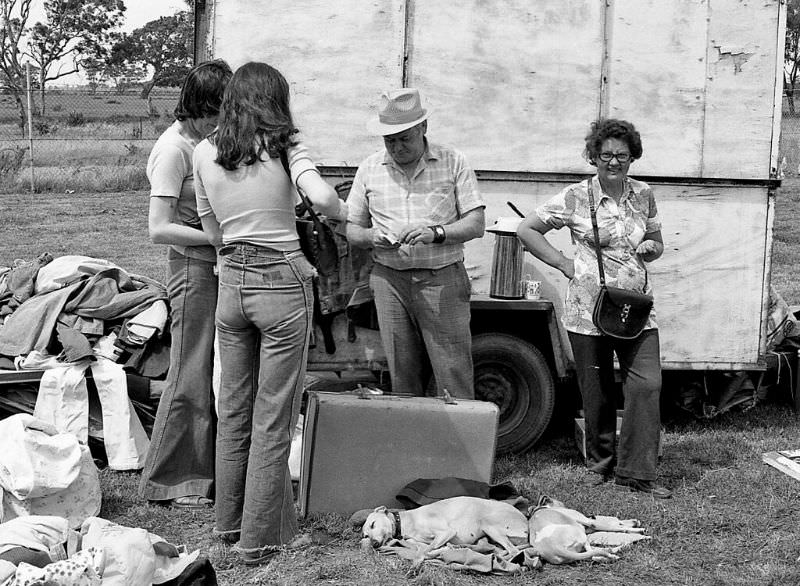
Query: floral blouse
point(626, 224)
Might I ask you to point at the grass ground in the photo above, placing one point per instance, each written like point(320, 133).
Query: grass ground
point(732, 521)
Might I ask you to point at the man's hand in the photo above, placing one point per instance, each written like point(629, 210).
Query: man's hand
point(381, 240)
point(416, 234)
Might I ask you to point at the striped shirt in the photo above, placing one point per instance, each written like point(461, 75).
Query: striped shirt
point(442, 189)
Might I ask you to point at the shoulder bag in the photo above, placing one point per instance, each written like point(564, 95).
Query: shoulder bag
point(316, 237)
point(619, 313)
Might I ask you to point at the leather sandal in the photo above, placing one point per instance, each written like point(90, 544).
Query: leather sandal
point(191, 501)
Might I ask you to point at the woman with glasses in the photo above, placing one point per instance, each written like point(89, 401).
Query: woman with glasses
point(629, 237)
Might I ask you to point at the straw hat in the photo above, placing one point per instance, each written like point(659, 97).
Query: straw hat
point(398, 110)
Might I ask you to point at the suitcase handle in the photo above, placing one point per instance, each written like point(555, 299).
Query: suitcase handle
point(363, 393)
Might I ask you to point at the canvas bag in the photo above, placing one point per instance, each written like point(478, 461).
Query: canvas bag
point(619, 313)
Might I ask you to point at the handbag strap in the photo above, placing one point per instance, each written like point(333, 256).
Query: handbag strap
point(596, 235)
point(597, 239)
point(303, 197)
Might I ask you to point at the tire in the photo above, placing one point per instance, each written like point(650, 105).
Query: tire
point(514, 375)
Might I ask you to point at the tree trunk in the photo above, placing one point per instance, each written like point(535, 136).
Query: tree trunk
point(41, 90)
point(21, 107)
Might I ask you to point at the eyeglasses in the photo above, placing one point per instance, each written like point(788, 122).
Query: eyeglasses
point(621, 157)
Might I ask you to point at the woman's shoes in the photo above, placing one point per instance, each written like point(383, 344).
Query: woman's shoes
point(645, 486)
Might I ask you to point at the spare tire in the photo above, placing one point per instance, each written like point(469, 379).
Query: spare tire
point(514, 375)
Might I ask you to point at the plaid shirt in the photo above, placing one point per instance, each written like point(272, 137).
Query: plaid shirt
point(442, 190)
point(627, 223)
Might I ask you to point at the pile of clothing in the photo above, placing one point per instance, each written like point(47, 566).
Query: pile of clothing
point(75, 314)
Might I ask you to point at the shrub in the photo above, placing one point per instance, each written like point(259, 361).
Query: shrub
point(43, 127)
point(75, 118)
point(11, 160)
point(57, 107)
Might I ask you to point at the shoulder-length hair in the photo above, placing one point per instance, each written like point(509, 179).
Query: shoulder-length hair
point(202, 89)
point(254, 117)
point(606, 128)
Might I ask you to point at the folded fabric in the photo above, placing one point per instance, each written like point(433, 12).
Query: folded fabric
point(133, 556)
point(35, 532)
point(424, 491)
point(85, 568)
point(483, 556)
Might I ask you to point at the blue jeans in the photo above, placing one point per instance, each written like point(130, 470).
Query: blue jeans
point(264, 321)
point(640, 366)
point(180, 460)
point(423, 316)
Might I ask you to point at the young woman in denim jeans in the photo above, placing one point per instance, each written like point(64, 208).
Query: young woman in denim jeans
point(246, 200)
point(179, 468)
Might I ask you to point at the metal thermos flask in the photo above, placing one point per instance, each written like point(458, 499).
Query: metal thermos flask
point(506, 280)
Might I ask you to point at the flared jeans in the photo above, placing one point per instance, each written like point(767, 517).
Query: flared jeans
point(264, 321)
point(180, 460)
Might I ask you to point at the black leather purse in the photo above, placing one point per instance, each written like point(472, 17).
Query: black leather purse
point(317, 240)
point(619, 313)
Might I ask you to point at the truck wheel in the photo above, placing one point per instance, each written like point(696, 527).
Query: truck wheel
point(514, 375)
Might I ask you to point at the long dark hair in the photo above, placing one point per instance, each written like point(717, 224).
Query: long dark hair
point(254, 117)
point(202, 89)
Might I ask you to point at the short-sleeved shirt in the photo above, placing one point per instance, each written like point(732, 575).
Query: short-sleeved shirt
point(627, 223)
point(253, 203)
point(169, 169)
point(442, 189)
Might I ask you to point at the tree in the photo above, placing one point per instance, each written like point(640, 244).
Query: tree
point(163, 46)
point(73, 31)
point(791, 69)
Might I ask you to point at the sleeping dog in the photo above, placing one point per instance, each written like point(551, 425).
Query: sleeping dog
point(559, 534)
point(459, 520)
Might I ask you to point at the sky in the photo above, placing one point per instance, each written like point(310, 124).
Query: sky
point(140, 12)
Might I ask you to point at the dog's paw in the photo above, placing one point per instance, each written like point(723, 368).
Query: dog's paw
point(366, 545)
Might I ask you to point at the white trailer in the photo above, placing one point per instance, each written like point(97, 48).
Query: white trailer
point(514, 84)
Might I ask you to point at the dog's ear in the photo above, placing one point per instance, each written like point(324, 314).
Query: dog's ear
point(380, 509)
point(544, 501)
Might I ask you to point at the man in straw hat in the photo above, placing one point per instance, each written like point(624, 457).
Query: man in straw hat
point(415, 203)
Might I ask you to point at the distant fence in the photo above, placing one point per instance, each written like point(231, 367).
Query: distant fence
point(80, 140)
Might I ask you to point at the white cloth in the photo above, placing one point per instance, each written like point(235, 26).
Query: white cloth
point(63, 401)
point(43, 472)
point(130, 559)
point(37, 532)
point(63, 270)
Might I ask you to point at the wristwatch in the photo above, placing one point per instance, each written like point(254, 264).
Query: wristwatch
point(439, 234)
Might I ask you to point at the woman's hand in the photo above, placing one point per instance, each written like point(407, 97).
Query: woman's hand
point(567, 268)
point(650, 249)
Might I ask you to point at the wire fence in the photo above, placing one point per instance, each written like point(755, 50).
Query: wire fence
point(80, 139)
point(84, 139)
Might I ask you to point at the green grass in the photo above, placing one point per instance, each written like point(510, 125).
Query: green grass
point(732, 521)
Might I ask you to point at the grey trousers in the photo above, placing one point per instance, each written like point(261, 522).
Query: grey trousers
point(423, 316)
point(640, 366)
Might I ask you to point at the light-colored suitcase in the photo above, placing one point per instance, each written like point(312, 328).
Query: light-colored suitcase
point(359, 452)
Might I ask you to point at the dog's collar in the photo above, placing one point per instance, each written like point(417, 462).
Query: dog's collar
point(398, 534)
